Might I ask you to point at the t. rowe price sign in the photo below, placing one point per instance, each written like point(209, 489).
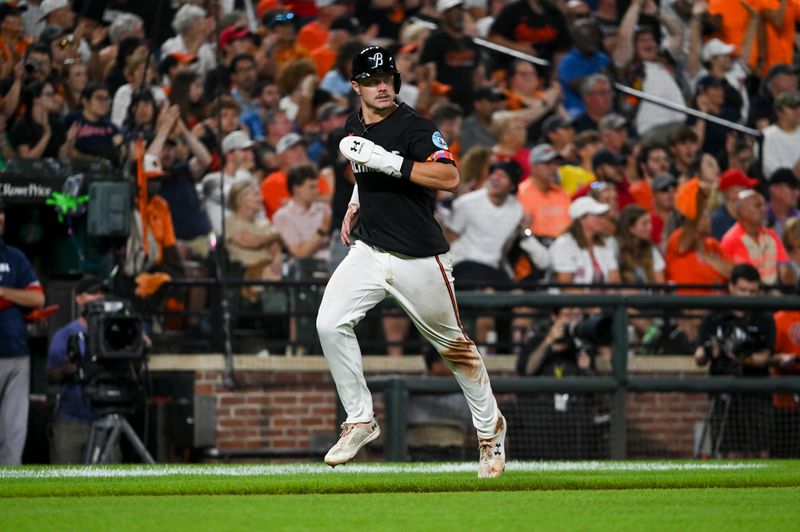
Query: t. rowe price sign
point(16, 192)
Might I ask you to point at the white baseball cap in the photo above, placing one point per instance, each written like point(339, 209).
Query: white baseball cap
point(716, 47)
point(287, 141)
point(586, 205)
point(444, 5)
point(48, 6)
point(236, 140)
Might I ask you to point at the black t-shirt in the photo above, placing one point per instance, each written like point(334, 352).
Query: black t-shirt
point(218, 81)
point(456, 61)
point(762, 106)
point(396, 214)
point(95, 138)
point(560, 359)
point(547, 32)
point(388, 20)
point(716, 135)
point(752, 332)
point(28, 132)
point(584, 122)
point(188, 217)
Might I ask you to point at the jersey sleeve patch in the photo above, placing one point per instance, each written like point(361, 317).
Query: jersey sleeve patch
point(438, 140)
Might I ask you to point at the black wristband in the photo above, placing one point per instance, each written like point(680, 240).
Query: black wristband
point(405, 169)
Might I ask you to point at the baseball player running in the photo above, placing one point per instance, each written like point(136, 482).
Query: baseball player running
point(399, 160)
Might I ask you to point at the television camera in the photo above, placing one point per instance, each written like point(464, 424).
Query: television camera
point(735, 342)
point(111, 361)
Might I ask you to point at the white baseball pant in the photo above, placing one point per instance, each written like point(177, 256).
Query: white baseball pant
point(423, 287)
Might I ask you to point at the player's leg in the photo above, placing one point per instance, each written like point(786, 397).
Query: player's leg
point(356, 286)
point(424, 288)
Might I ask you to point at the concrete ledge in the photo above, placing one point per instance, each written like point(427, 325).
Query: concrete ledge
point(662, 364)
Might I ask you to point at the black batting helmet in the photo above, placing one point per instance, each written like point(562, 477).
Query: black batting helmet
point(375, 60)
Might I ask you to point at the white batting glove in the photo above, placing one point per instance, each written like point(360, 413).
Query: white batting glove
point(365, 152)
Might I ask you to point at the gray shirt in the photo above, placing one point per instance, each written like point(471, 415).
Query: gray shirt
point(474, 134)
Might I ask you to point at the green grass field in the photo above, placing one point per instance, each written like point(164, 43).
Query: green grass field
point(530, 495)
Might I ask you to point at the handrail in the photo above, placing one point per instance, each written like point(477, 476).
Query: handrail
point(687, 110)
point(492, 46)
point(619, 86)
point(539, 288)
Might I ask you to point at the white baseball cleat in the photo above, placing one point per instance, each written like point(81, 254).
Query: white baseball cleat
point(493, 452)
point(354, 436)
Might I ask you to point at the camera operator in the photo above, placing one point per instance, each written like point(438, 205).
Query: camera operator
point(560, 426)
point(552, 352)
point(739, 343)
point(73, 418)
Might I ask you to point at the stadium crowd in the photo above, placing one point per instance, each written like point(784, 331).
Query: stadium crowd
point(565, 178)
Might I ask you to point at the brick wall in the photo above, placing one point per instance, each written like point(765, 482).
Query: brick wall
point(285, 413)
point(661, 425)
point(291, 403)
point(294, 408)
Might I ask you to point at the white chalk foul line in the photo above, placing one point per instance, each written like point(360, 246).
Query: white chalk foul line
point(142, 471)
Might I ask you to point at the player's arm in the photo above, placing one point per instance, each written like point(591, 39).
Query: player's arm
point(436, 175)
point(432, 174)
point(350, 217)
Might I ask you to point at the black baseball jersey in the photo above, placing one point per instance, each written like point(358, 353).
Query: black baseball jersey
point(396, 214)
point(547, 32)
point(456, 60)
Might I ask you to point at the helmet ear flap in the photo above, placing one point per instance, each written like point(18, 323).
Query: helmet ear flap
point(397, 83)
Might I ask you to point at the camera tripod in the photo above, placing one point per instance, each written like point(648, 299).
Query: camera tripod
point(112, 426)
point(725, 400)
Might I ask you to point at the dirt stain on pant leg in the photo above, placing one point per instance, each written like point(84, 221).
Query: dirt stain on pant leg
point(464, 357)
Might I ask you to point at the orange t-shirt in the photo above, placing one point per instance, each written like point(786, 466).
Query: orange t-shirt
point(549, 210)
point(275, 191)
point(787, 340)
point(734, 22)
point(642, 194)
point(312, 36)
point(780, 41)
point(764, 252)
point(324, 58)
point(15, 54)
point(689, 267)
